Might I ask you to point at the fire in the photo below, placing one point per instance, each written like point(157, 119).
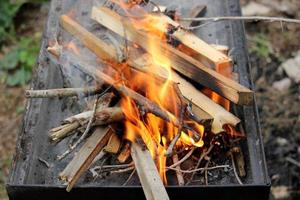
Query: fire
point(156, 133)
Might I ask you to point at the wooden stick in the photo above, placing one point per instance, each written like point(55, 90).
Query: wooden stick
point(178, 172)
point(144, 64)
point(219, 114)
point(83, 159)
point(149, 177)
point(103, 102)
point(63, 131)
point(148, 105)
point(62, 92)
point(88, 39)
point(109, 115)
point(180, 61)
point(245, 18)
point(75, 121)
point(138, 63)
point(239, 159)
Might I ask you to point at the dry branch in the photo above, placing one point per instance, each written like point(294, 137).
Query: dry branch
point(178, 172)
point(83, 159)
point(149, 177)
point(75, 121)
point(62, 92)
point(180, 61)
point(244, 18)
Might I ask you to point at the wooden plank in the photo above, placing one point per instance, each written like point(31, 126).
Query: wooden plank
point(219, 114)
point(125, 153)
point(153, 186)
point(113, 144)
point(178, 60)
point(103, 50)
point(201, 103)
point(84, 158)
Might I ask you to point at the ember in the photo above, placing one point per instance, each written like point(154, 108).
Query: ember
point(167, 123)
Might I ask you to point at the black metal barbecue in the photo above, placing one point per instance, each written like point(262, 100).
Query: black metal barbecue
point(30, 179)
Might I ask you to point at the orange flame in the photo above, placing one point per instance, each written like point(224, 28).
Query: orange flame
point(156, 133)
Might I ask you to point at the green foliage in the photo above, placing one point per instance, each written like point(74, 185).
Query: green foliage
point(7, 14)
point(17, 65)
point(261, 46)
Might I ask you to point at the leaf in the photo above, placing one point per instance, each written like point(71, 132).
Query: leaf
point(10, 60)
point(20, 77)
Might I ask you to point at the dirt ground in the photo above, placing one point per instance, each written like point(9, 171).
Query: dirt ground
point(279, 111)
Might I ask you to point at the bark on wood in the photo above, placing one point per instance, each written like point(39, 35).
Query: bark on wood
point(108, 115)
point(62, 92)
point(149, 177)
point(180, 61)
point(63, 131)
point(83, 159)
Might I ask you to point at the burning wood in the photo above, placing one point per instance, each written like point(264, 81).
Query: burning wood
point(147, 102)
point(180, 61)
point(152, 184)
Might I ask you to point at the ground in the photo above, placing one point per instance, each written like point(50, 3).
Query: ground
point(270, 44)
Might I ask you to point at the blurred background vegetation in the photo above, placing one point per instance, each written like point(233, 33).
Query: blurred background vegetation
point(18, 46)
point(21, 26)
point(270, 46)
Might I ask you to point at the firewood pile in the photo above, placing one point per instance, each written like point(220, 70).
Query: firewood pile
point(162, 101)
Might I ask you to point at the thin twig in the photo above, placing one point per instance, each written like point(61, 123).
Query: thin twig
point(205, 172)
point(199, 169)
point(244, 18)
point(183, 159)
point(114, 166)
point(129, 178)
point(44, 162)
point(180, 121)
point(293, 161)
point(178, 173)
point(123, 170)
point(199, 161)
point(234, 170)
point(62, 92)
point(88, 127)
